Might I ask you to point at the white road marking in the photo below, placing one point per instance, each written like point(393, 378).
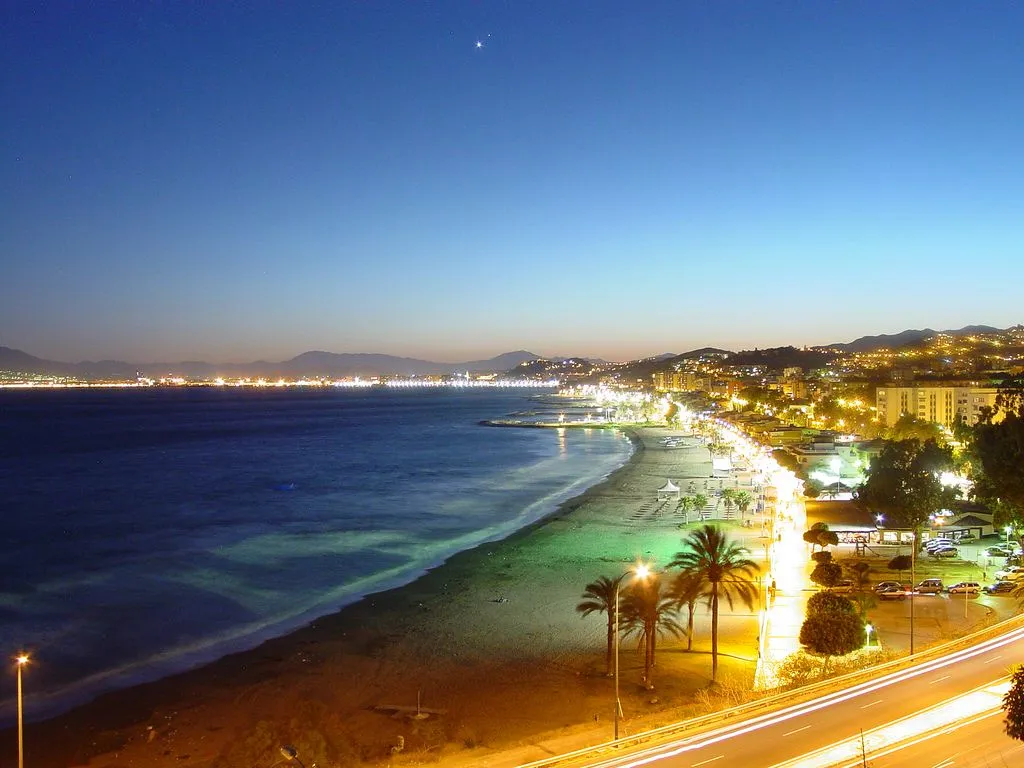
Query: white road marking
point(790, 733)
point(705, 762)
point(877, 701)
point(994, 658)
point(939, 680)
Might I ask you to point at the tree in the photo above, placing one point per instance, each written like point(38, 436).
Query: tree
point(821, 557)
point(723, 564)
point(813, 534)
point(687, 589)
point(599, 597)
point(903, 482)
point(743, 500)
point(999, 447)
point(832, 634)
point(700, 501)
point(909, 427)
point(813, 488)
point(728, 498)
point(900, 563)
point(827, 574)
point(647, 612)
point(828, 602)
point(1013, 706)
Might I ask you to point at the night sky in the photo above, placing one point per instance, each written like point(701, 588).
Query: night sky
point(238, 180)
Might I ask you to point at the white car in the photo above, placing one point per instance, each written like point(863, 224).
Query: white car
point(964, 587)
point(1014, 573)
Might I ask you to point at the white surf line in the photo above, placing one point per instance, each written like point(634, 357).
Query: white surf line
point(947, 713)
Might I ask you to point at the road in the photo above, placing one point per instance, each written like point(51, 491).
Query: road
point(785, 735)
point(978, 743)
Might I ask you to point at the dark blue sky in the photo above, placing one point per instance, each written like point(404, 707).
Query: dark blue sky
point(241, 180)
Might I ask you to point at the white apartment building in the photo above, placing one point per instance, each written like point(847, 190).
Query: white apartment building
point(942, 405)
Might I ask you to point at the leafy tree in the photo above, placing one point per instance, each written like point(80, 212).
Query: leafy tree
point(728, 498)
point(828, 538)
point(786, 460)
point(599, 597)
point(821, 557)
point(999, 446)
point(724, 566)
point(827, 574)
point(813, 488)
point(828, 602)
point(832, 634)
point(909, 427)
point(647, 612)
point(687, 589)
point(1013, 706)
point(903, 482)
point(900, 563)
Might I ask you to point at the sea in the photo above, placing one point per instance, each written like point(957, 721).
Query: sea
point(147, 531)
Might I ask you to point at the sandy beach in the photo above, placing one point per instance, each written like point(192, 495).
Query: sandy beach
point(489, 643)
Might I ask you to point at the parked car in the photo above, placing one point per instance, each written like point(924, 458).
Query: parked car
point(1000, 587)
point(892, 593)
point(933, 543)
point(1013, 573)
point(842, 587)
point(966, 538)
point(946, 552)
point(930, 587)
point(964, 587)
point(998, 552)
point(884, 585)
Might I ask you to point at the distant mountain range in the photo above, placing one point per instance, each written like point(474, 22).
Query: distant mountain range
point(312, 364)
point(905, 338)
point(334, 365)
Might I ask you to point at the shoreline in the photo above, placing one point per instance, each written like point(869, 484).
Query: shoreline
point(490, 636)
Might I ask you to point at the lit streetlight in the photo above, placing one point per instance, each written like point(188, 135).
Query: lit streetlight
point(21, 659)
point(290, 753)
point(867, 631)
point(641, 571)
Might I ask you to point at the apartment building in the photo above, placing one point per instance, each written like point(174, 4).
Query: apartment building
point(942, 405)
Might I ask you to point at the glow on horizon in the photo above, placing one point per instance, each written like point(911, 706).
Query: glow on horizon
point(598, 184)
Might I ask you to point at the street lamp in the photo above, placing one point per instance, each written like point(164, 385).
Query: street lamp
point(867, 630)
point(1009, 530)
point(641, 571)
point(290, 753)
point(21, 659)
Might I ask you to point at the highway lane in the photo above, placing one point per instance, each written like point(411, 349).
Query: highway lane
point(976, 743)
point(774, 738)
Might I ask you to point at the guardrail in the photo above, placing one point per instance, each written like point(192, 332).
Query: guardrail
point(779, 700)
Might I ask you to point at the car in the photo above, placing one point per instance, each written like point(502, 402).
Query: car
point(1013, 573)
point(892, 593)
point(884, 585)
point(1000, 587)
point(964, 587)
point(930, 545)
point(966, 538)
point(930, 587)
point(998, 552)
point(946, 552)
point(842, 587)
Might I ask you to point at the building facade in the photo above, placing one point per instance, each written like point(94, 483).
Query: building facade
point(941, 405)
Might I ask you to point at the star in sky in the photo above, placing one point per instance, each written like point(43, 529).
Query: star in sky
point(479, 43)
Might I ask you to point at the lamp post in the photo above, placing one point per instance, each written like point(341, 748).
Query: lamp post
point(867, 630)
point(290, 753)
point(21, 659)
point(641, 571)
point(1008, 530)
point(913, 562)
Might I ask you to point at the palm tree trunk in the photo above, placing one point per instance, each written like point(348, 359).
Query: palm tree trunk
point(611, 644)
point(714, 631)
point(689, 626)
point(649, 659)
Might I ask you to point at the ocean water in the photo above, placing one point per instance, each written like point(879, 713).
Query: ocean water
point(147, 531)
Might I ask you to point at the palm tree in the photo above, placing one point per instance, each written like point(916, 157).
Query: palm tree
point(687, 588)
point(647, 612)
point(728, 498)
point(699, 502)
point(722, 563)
point(743, 500)
point(599, 597)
